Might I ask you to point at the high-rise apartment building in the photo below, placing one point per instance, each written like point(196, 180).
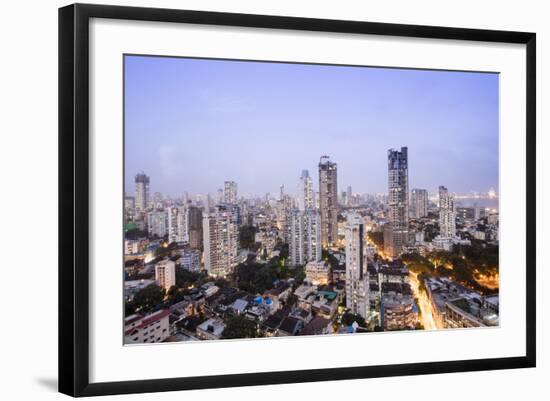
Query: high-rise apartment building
point(396, 231)
point(230, 192)
point(165, 273)
point(194, 217)
point(328, 201)
point(357, 282)
point(419, 203)
point(447, 214)
point(303, 236)
point(305, 192)
point(142, 192)
point(157, 223)
point(220, 240)
point(178, 227)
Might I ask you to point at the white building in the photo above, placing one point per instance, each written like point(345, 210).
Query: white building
point(447, 214)
point(190, 260)
point(211, 329)
point(357, 283)
point(178, 227)
point(303, 236)
point(230, 192)
point(221, 240)
point(317, 273)
point(153, 328)
point(305, 196)
point(157, 223)
point(131, 247)
point(165, 273)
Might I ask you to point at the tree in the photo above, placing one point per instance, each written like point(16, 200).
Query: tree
point(348, 319)
point(240, 327)
point(148, 298)
point(292, 300)
point(247, 236)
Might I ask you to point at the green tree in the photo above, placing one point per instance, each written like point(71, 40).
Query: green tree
point(148, 298)
point(349, 318)
point(240, 327)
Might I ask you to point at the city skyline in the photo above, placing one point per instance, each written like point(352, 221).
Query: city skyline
point(461, 107)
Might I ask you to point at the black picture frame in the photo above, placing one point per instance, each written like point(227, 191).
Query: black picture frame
point(74, 198)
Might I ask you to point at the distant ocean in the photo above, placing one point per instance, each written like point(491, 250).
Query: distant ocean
point(470, 202)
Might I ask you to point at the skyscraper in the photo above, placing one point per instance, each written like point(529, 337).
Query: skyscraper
point(305, 192)
point(230, 192)
point(304, 236)
point(157, 223)
point(142, 192)
point(220, 240)
point(419, 203)
point(178, 228)
point(447, 214)
point(328, 201)
point(357, 283)
point(397, 230)
point(349, 195)
point(195, 227)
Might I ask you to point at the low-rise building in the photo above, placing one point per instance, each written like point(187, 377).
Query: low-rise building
point(152, 328)
point(211, 329)
point(190, 260)
point(318, 273)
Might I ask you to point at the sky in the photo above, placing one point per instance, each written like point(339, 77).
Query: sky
point(191, 124)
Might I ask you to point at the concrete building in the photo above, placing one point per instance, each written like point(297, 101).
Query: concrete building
point(447, 214)
point(357, 281)
point(317, 273)
point(303, 236)
point(142, 192)
point(165, 273)
point(220, 240)
point(397, 231)
point(191, 260)
point(305, 192)
point(328, 201)
point(178, 228)
point(419, 203)
point(157, 223)
point(230, 192)
point(194, 222)
point(211, 329)
point(153, 328)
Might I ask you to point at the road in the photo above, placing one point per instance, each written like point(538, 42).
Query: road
point(426, 316)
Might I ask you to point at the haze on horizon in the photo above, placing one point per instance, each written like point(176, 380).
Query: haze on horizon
point(191, 124)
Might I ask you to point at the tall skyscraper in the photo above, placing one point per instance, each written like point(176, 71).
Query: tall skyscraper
point(397, 230)
point(447, 214)
point(304, 236)
point(195, 227)
point(357, 282)
point(220, 240)
point(328, 201)
point(305, 192)
point(281, 192)
point(349, 195)
point(419, 203)
point(142, 192)
point(230, 192)
point(178, 228)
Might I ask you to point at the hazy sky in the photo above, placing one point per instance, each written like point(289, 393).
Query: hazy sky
point(192, 124)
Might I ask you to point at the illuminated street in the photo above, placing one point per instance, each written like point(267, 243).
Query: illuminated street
point(426, 317)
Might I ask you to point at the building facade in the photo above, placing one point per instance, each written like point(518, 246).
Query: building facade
point(447, 214)
point(318, 273)
point(157, 223)
point(328, 201)
point(303, 236)
point(305, 192)
point(397, 230)
point(357, 282)
point(230, 192)
point(178, 229)
point(165, 273)
point(142, 192)
point(220, 240)
point(419, 203)
point(194, 222)
point(153, 328)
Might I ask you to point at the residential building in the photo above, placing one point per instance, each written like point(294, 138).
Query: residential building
point(191, 260)
point(157, 223)
point(165, 273)
point(305, 192)
point(303, 236)
point(357, 282)
point(211, 329)
point(230, 192)
point(447, 214)
point(220, 240)
point(178, 229)
point(317, 273)
point(153, 328)
point(194, 222)
point(419, 203)
point(328, 201)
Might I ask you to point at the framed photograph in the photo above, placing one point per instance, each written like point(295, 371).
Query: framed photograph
point(251, 199)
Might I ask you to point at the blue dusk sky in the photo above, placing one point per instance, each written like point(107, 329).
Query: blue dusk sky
point(193, 124)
